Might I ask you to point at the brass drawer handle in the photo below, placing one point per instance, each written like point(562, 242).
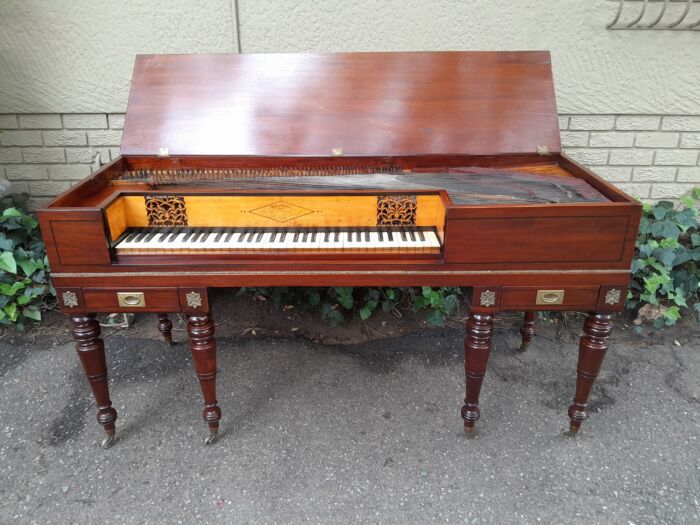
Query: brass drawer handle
point(550, 297)
point(131, 299)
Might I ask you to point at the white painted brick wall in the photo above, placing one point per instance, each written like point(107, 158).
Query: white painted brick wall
point(649, 156)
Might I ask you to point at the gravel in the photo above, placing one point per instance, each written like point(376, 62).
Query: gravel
point(348, 434)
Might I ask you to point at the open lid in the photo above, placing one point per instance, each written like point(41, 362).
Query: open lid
point(366, 104)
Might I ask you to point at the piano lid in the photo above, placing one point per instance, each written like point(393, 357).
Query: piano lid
point(354, 104)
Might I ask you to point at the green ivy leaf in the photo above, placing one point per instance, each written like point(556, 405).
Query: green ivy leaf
point(29, 266)
point(7, 262)
point(32, 312)
point(11, 311)
point(665, 228)
point(12, 212)
point(672, 313)
point(11, 289)
point(345, 298)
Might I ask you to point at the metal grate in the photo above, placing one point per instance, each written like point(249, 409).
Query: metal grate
point(679, 15)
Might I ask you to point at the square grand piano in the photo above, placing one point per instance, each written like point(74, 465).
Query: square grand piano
point(349, 169)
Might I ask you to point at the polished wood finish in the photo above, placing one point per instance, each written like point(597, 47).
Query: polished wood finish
point(527, 330)
point(165, 327)
point(472, 135)
point(592, 349)
point(91, 351)
point(155, 299)
point(477, 347)
point(525, 297)
point(306, 104)
point(203, 347)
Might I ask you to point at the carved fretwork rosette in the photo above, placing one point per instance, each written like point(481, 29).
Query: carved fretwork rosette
point(396, 210)
point(166, 211)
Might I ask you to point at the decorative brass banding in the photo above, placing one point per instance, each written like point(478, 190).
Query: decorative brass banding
point(166, 210)
point(396, 210)
point(550, 297)
point(131, 299)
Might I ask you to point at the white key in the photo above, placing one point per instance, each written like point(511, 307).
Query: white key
point(432, 240)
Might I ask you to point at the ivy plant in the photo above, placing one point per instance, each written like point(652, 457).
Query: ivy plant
point(23, 266)
point(336, 304)
point(665, 270)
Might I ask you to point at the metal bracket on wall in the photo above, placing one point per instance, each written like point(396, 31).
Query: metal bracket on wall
point(671, 14)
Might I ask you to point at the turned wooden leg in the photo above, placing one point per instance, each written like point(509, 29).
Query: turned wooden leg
point(592, 348)
point(91, 350)
point(166, 328)
point(527, 330)
point(200, 328)
point(477, 347)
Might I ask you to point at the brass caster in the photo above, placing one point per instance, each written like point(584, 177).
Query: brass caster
point(572, 432)
point(108, 441)
point(470, 432)
point(211, 437)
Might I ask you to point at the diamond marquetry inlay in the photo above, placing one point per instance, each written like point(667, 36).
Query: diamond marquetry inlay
point(487, 298)
point(194, 299)
point(70, 299)
point(281, 211)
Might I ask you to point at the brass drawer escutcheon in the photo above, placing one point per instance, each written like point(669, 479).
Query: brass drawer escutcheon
point(550, 297)
point(131, 299)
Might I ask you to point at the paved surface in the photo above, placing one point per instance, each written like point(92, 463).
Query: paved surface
point(365, 433)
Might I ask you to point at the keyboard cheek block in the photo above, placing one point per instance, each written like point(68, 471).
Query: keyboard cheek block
point(426, 169)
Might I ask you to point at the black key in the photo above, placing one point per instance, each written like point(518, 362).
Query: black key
point(242, 236)
point(149, 235)
point(380, 234)
point(218, 236)
point(130, 236)
point(273, 236)
point(313, 235)
point(366, 235)
point(327, 236)
point(403, 235)
point(390, 234)
point(259, 237)
point(174, 235)
point(250, 236)
point(192, 236)
point(420, 235)
point(202, 236)
point(227, 235)
point(411, 235)
point(337, 235)
point(296, 236)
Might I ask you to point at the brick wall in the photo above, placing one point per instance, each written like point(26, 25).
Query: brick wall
point(649, 156)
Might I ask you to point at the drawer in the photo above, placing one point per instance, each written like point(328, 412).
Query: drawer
point(549, 298)
point(131, 299)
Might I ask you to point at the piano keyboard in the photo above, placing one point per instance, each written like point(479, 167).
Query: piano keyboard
point(178, 240)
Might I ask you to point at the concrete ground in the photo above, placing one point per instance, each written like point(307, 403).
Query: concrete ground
point(368, 433)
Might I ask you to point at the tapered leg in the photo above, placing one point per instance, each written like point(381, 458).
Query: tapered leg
point(527, 330)
point(477, 348)
point(200, 328)
point(165, 326)
point(592, 348)
point(91, 350)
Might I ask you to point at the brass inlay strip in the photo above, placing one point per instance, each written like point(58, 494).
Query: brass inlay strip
point(336, 272)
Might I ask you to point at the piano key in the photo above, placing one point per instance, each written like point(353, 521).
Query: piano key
point(421, 235)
